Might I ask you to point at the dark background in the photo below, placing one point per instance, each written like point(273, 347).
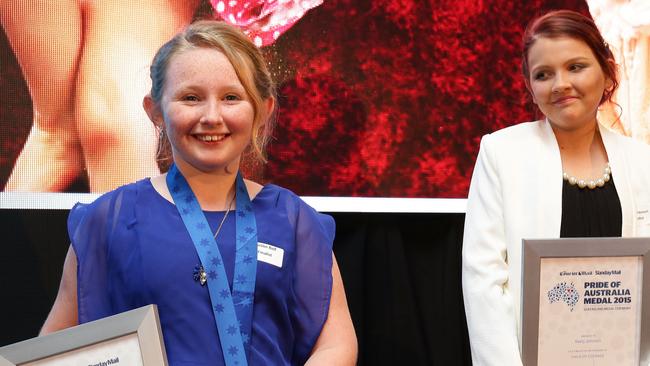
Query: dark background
point(401, 274)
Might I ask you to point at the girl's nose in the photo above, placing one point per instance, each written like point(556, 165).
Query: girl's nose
point(211, 113)
point(560, 83)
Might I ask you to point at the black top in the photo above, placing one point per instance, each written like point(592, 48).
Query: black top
point(591, 212)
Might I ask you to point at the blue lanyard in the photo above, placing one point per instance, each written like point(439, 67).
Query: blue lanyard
point(233, 310)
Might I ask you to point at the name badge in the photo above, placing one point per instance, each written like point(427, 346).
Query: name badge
point(270, 254)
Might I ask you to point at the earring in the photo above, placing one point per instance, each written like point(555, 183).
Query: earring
point(162, 136)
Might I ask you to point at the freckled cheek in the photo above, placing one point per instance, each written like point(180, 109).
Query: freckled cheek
point(240, 120)
point(179, 118)
point(241, 129)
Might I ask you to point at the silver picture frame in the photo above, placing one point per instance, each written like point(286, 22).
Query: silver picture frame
point(536, 250)
point(141, 323)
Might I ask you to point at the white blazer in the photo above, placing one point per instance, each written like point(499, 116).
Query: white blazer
point(516, 193)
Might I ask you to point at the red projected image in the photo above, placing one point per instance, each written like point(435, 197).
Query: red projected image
point(378, 98)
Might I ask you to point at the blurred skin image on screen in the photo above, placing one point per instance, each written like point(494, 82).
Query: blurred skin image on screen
point(86, 65)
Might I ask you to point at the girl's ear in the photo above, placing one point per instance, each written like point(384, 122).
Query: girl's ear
point(270, 105)
point(153, 111)
point(609, 83)
point(608, 91)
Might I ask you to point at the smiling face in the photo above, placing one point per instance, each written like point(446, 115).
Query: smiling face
point(566, 81)
point(207, 113)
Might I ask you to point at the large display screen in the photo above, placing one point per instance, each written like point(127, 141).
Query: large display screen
point(377, 98)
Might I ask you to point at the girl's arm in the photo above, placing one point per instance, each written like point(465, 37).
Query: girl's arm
point(337, 343)
point(64, 311)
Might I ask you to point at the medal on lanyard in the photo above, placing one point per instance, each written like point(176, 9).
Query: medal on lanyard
point(233, 309)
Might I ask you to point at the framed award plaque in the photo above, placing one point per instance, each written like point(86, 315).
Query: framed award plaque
point(583, 301)
point(130, 338)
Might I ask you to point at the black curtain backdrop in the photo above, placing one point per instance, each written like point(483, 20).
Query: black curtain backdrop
point(401, 275)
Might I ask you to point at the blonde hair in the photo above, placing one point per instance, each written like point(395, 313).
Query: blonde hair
point(246, 59)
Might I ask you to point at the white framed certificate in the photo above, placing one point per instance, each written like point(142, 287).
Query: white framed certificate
point(130, 338)
point(583, 301)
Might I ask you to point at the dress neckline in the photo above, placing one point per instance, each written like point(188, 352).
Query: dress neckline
point(150, 186)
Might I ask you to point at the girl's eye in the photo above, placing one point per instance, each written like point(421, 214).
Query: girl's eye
point(576, 67)
point(191, 98)
point(231, 97)
point(540, 75)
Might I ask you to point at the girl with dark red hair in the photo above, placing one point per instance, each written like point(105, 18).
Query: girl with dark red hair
point(565, 175)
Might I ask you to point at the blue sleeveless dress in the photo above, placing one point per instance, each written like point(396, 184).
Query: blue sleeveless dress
point(132, 250)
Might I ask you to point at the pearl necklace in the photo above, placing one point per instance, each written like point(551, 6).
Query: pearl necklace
point(591, 184)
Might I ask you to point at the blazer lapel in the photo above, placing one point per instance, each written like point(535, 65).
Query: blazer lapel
point(618, 164)
point(551, 178)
